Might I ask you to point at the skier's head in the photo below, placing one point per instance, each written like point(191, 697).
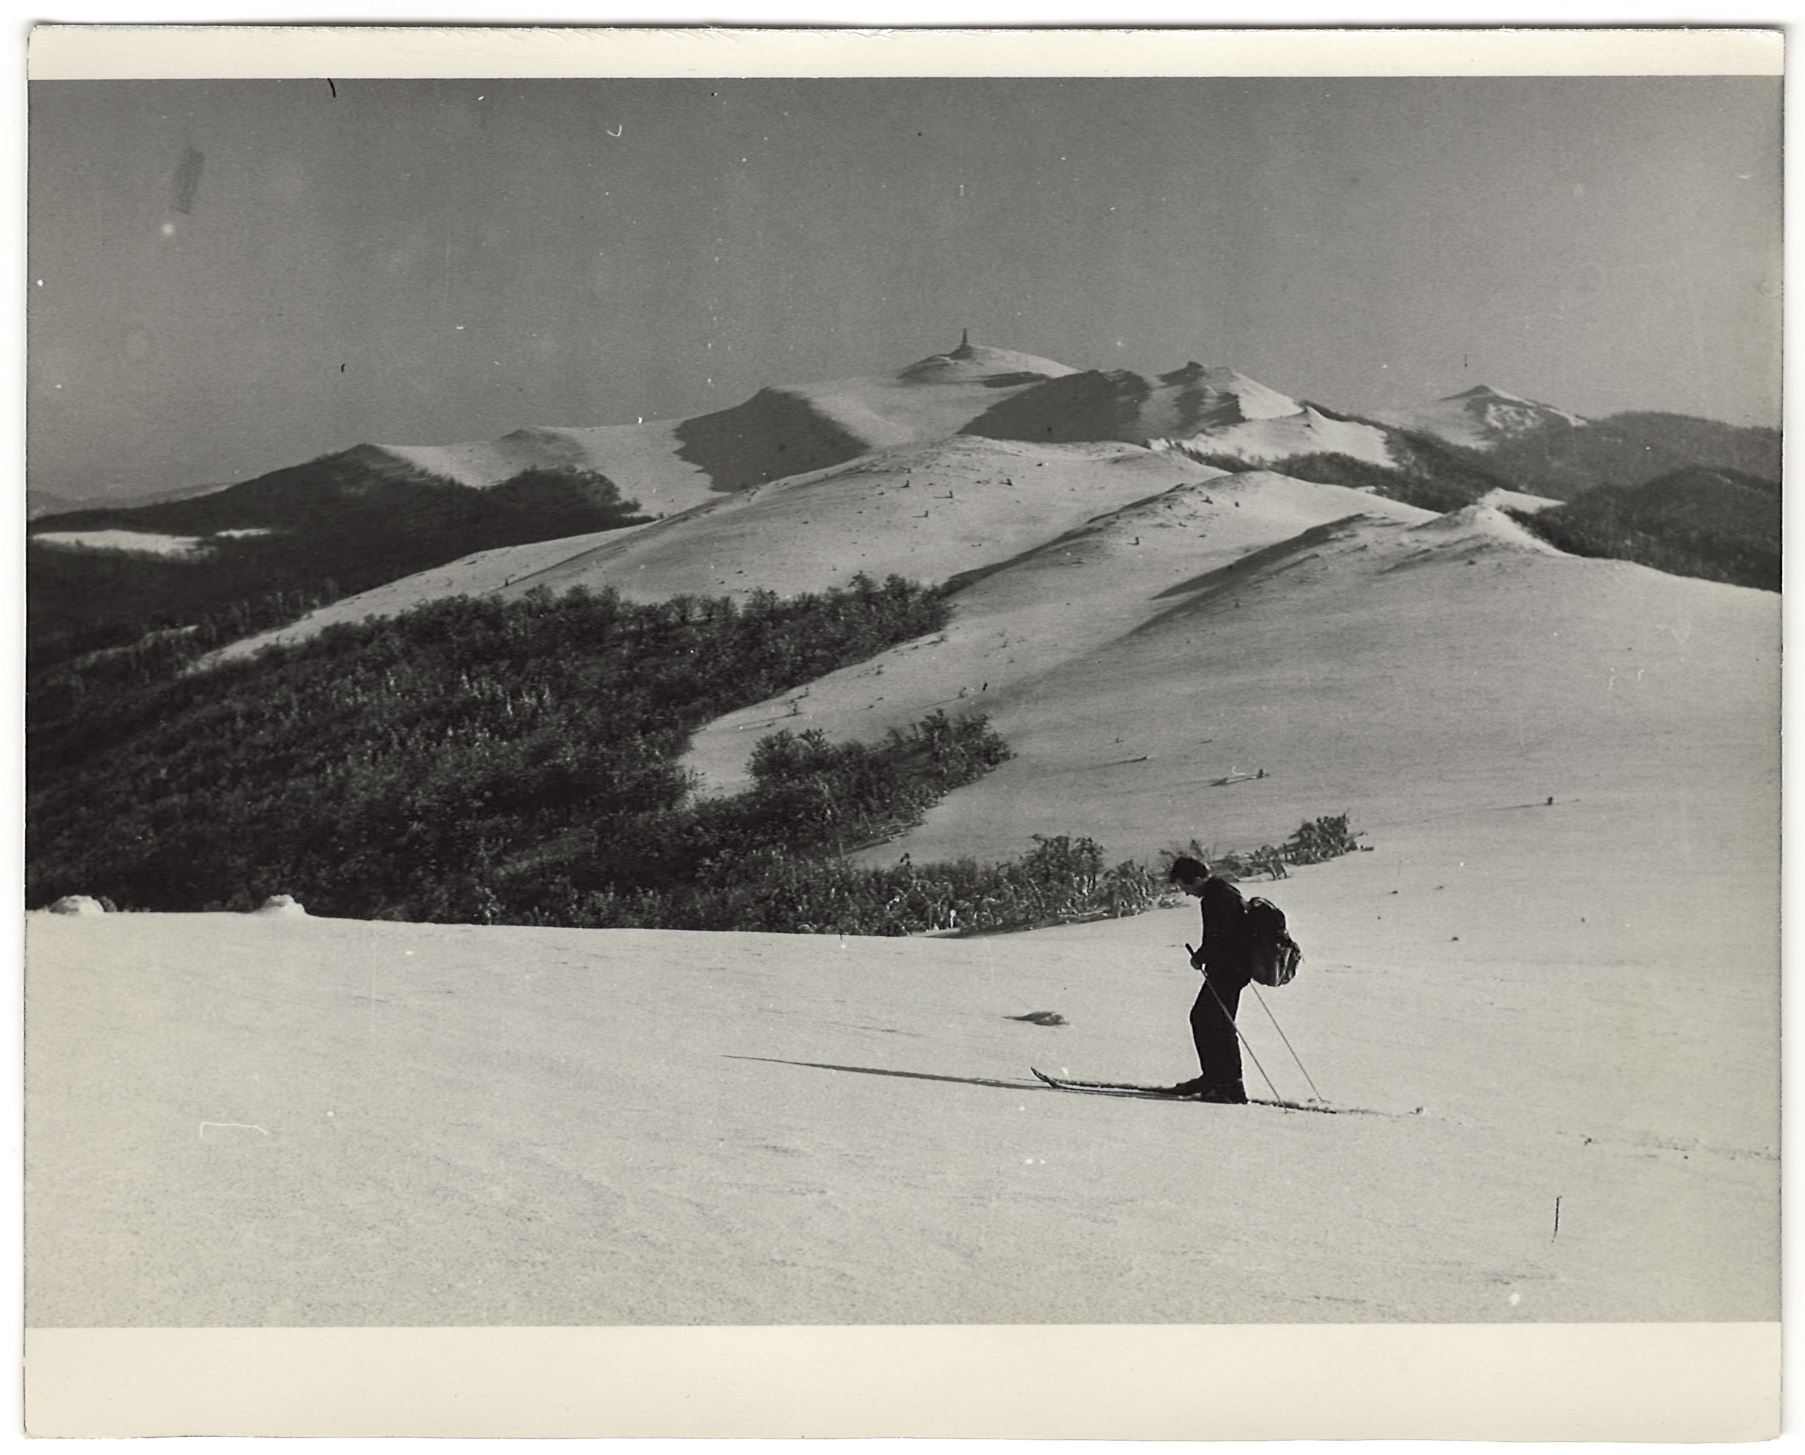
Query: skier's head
point(1188, 874)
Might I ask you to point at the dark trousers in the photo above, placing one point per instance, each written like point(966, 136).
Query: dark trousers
point(1213, 1030)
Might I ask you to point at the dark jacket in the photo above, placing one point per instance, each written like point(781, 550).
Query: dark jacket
point(1223, 949)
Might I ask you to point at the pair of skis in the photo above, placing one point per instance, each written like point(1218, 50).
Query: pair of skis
point(1166, 1093)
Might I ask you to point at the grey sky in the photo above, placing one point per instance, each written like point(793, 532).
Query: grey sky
point(424, 261)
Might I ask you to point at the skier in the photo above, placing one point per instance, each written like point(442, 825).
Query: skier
point(1221, 955)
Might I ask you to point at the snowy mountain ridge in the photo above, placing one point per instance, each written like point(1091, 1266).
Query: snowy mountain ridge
point(1480, 418)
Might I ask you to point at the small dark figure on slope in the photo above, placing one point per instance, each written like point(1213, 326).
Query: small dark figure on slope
point(1222, 956)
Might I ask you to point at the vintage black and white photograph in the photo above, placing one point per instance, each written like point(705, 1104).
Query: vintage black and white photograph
point(931, 700)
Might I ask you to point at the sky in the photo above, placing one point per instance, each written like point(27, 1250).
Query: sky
point(227, 277)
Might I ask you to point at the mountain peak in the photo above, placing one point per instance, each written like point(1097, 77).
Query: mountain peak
point(971, 361)
point(1216, 376)
point(1480, 418)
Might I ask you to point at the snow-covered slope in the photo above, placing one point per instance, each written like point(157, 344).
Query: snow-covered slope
point(1516, 500)
point(1275, 439)
point(906, 490)
point(927, 512)
point(930, 512)
point(1194, 410)
point(1135, 408)
point(982, 363)
point(644, 459)
point(1479, 418)
point(1253, 622)
point(132, 542)
point(248, 1120)
point(1018, 625)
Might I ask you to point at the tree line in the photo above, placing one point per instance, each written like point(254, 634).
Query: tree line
point(333, 527)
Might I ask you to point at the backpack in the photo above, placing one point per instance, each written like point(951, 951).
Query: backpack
point(1272, 955)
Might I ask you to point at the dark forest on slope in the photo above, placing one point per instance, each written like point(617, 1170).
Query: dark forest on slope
point(329, 528)
point(518, 762)
point(1719, 525)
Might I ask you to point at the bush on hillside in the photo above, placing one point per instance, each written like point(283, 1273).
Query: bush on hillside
point(1059, 881)
point(1319, 840)
point(517, 762)
point(1426, 490)
point(1234, 464)
point(1314, 842)
point(396, 765)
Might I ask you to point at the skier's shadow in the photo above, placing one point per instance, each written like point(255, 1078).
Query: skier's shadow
point(881, 1071)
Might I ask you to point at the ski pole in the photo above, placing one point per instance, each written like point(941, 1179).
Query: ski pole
point(1238, 1036)
point(1244, 1042)
point(1287, 1040)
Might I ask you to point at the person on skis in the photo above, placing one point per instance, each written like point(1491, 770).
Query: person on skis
point(1222, 956)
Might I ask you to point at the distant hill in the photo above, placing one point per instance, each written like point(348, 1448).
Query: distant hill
point(47, 502)
point(338, 524)
point(1749, 449)
point(1566, 460)
point(1543, 450)
point(1136, 408)
point(1479, 418)
point(1199, 411)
